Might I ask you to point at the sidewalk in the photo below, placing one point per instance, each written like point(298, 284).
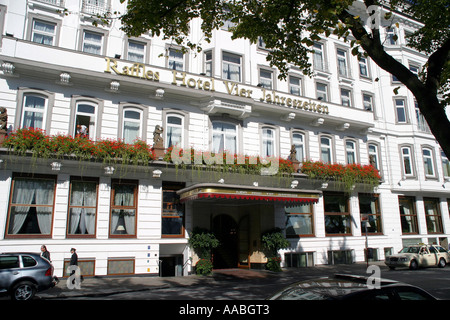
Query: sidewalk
point(99, 286)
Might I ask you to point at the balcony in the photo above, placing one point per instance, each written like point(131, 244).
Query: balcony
point(95, 7)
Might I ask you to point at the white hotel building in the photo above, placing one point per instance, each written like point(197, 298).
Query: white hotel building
point(59, 71)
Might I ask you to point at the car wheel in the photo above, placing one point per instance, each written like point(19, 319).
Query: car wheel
point(413, 265)
point(442, 263)
point(23, 291)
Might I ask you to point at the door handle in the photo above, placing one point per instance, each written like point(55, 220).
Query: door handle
point(15, 272)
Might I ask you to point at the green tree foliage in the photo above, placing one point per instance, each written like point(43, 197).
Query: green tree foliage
point(290, 27)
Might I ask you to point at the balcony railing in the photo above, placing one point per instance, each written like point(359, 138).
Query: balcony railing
point(95, 7)
point(59, 3)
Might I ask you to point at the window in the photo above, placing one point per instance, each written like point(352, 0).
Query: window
point(407, 161)
point(346, 99)
point(123, 208)
point(369, 209)
point(433, 215)
point(318, 56)
point(85, 119)
point(172, 212)
point(342, 63)
point(295, 85)
point(208, 64)
point(299, 221)
point(298, 140)
point(337, 215)
point(445, 164)
point(136, 51)
point(322, 91)
point(350, 150)
point(268, 142)
point(231, 67)
point(421, 122)
point(176, 59)
point(408, 216)
point(82, 207)
point(174, 130)
point(414, 69)
point(428, 162)
point(373, 156)
point(400, 110)
point(363, 67)
point(224, 137)
point(391, 36)
point(266, 79)
point(132, 125)
point(31, 206)
point(326, 149)
point(368, 102)
point(33, 111)
point(92, 42)
point(43, 32)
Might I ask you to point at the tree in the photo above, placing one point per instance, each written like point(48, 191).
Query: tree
point(290, 27)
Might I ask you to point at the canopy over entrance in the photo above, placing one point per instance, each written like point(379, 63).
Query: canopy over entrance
point(238, 192)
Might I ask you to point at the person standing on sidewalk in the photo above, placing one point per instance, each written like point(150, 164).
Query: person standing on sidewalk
point(46, 255)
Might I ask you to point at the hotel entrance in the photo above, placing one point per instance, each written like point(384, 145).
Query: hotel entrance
point(237, 216)
point(234, 236)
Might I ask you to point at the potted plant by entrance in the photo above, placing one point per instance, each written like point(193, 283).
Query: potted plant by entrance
point(272, 241)
point(202, 241)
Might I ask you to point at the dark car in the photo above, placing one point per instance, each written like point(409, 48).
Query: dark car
point(24, 274)
point(348, 287)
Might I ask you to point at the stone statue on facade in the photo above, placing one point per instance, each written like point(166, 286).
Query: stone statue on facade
point(3, 124)
point(158, 142)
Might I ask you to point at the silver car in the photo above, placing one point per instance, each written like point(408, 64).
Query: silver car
point(24, 274)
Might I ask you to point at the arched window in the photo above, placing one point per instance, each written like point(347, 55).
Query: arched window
point(298, 140)
point(326, 149)
point(132, 125)
point(174, 130)
point(350, 151)
point(34, 111)
point(85, 119)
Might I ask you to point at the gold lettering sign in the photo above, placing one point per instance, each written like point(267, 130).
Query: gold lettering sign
point(182, 79)
point(137, 70)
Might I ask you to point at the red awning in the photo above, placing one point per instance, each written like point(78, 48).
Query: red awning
point(213, 191)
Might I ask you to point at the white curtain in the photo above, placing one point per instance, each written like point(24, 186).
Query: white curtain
point(25, 191)
point(33, 117)
point(130, 131)
point(83, 195)
point(23, 194)
point(124, 197)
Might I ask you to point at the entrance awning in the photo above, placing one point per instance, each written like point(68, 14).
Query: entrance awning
point(238, 192)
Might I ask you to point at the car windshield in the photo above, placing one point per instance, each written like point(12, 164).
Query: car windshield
point(410, 250)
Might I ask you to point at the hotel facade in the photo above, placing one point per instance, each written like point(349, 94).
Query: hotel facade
point(62, 74)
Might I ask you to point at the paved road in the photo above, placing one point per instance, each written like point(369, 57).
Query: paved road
point(236, 284)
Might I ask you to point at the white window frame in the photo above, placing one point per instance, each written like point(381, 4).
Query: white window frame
point(295, 88)
point(131, 120)
point(319, 56)
point(407, 156)
point(43, 33)
point(368, 104)
point(299, 144)
point(173, 59)
point(372, 150)
point(351, 151)
point(226, 64)
point(328, 147)
point(42, 111)
point(136, 52)
point(320, 93)
point(265, 139)
point(445, 165)
point(342, 58)
point(178, 126)
point(428, 161)
point(208, 63)
point(399, 107)
point(99, 44)
point(92, 118)
point(346, 97)
point(363, 64)
point(224, 135)
point(266, 79)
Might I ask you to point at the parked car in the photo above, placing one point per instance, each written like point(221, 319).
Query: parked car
point(24, 274)
point(350, 287)
point(421, 255)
